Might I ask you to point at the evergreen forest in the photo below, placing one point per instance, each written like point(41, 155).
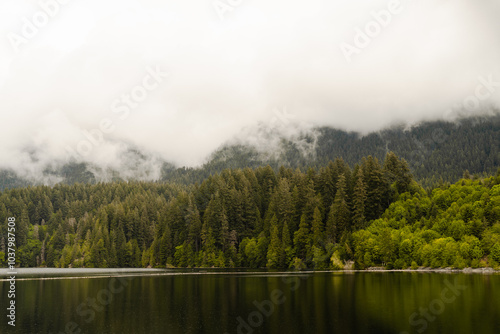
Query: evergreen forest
point(373, 214)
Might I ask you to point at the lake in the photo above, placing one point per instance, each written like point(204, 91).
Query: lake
point(221, 301)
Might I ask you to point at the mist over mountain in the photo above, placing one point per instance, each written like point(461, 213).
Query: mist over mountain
point(435, 151)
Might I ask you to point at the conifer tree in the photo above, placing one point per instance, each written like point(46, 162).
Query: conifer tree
point(317, 229)
point(340, 208)
point(376, 188)
point(208, 245)
point(193, 222)
point(302, 237)
point(225, 235)
point(286, 246)
point(165, 246)
point(22, 229)
point(274, 251)
point(331, 227)
point(358, 203)
point(283, 206)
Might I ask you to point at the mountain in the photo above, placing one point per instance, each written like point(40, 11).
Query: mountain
point(436, 151)
point(433, 150)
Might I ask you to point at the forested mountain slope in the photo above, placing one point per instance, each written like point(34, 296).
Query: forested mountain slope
point(434, 150)
point(373, 214)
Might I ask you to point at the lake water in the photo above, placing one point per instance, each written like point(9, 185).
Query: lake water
point(170, 301)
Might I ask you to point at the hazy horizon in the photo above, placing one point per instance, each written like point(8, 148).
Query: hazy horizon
point(177, 80)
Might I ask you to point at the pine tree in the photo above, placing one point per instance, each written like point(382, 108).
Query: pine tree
point(214, 216)
point(298, 204)
point(208, 246)
point(331, 227)
point(22, 229)
point(282, 200)
point(46, 208)
point(391, 167)
point(224, 235)
point(358, 203)
point(274, 250)
point(165, 246)
point(376, 188)
point(142, 233)
point(99, 254)
point(194, 224)
point(302, 238)
point(340, 208)
point(317, 229)
point(267, 182)
point(405, 177)
point(286, 246)
point(328, 183)
point(250, 213)
point(120, 247)
point(397, 172)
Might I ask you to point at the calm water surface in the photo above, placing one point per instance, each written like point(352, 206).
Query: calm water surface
point(169, 301)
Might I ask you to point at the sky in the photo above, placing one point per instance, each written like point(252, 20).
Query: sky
point(88, 79)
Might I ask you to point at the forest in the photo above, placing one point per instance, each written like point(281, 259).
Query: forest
point(333, 217)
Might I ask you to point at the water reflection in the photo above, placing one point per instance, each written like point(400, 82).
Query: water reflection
point(256, 303)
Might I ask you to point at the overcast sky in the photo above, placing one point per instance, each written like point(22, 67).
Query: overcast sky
point(92, 65)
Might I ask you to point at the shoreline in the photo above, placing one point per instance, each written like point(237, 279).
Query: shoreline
point(155, 272)
point(486, 270)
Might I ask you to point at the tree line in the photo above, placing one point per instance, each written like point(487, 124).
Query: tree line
point(319, 218)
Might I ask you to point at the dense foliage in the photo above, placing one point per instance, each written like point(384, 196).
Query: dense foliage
point(242, 217)
point(373, 214)
point(456, 226)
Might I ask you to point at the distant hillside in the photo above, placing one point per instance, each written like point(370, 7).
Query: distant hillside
point(436, 151)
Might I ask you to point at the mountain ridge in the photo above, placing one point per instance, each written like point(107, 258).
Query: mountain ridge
point(436, 151)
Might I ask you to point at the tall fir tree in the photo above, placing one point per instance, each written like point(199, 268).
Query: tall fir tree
point(286, 246)
point(317, 229)
point(340, 208)
point(274, 250)
point(358, 203)
point(302, 238)
point(193, 222)
point(376, 188)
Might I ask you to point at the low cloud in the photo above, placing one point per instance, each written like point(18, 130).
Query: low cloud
point(229, 75)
